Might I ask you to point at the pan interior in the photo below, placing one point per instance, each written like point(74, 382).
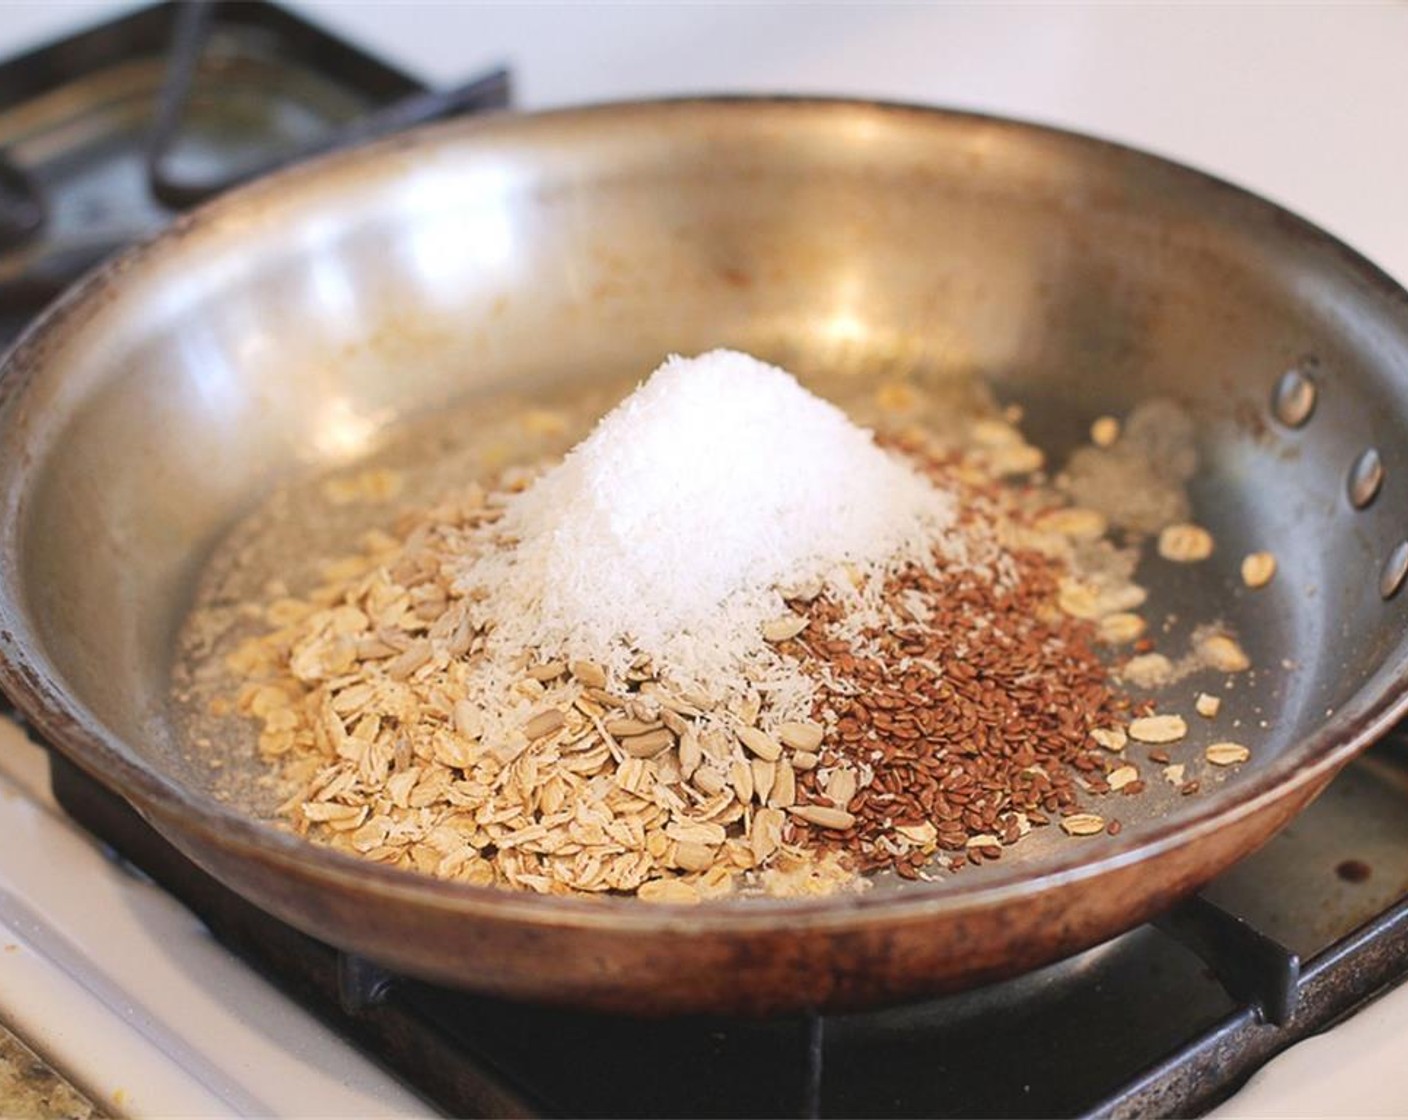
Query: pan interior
point(390, 309)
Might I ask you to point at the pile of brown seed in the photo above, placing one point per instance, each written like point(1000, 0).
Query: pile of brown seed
point(972, 727)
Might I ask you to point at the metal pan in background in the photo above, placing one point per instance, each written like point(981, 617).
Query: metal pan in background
point(160, 398)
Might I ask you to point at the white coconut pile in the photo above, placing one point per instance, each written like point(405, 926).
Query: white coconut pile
point(673, 531)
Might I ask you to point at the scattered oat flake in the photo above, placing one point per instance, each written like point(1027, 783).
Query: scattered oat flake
point(1158, 729)
point(1207, 705)
point(1258, 569)
point(1223, 654)
point(1104, 431)
point(377, 485)
point(1122, 776)
point(897, 396)
point(1120, 628)
point(1227, 754)
point(1174, 773)
point(1112, 739)
point(1185, 543)
point(1083, 824)
point(1074, 522)
point(1147, 670)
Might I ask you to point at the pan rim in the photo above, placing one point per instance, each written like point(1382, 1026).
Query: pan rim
point(37, 691)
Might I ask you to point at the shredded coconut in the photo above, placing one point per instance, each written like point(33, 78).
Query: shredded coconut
point(675, 528)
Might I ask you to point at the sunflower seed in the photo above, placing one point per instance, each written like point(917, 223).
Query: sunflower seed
point(677, 724)
point(544, 724)
point(760, 743)
point(619, 727)
point(800, 736)
point(824, 817)
point(741, 774)
point(764, 774)
point(647, 745)
point(784, 786)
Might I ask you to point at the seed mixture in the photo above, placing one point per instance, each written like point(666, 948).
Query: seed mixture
point(908, 668)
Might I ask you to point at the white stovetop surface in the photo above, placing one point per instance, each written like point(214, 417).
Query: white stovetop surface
point(120, 987)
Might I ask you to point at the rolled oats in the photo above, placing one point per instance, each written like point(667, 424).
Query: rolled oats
point(1258, 569)
point(1121, 628)
point(1105, 431)
point(1227, 754)
point(1158, 729)
point(1224, 654)
point(1185, 544)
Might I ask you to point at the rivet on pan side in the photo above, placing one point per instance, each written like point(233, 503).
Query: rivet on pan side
point(1395, 571)
point(1293, 399)
point(1365, 478)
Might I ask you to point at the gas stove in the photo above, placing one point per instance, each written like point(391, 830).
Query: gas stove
point(158, 991)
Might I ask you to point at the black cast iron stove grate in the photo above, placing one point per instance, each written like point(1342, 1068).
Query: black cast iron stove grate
point(172, 104)
point(107, 135)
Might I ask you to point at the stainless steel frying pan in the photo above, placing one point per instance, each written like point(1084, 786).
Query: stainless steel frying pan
point(293, 323)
